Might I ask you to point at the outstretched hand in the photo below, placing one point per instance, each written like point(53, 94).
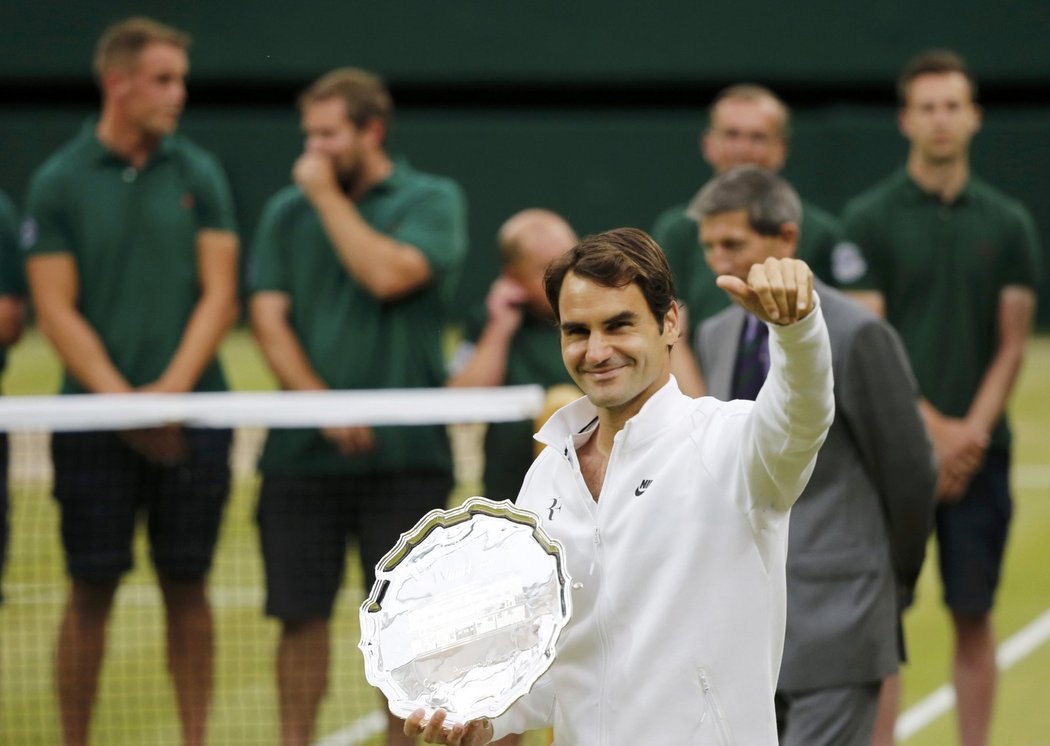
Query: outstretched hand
point(474, 733)
point(778, 291)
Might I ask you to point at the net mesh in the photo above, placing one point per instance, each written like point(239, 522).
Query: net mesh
point(136, 702)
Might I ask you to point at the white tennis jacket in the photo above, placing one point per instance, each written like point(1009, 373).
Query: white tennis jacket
point(678, 569)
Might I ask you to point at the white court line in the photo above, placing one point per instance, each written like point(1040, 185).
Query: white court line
point(941, 700)
point(357, 732)
point(1030, 476)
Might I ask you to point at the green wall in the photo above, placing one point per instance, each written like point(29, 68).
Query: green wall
point(589, 108)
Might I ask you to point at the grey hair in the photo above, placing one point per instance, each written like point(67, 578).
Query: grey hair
point(768, 199)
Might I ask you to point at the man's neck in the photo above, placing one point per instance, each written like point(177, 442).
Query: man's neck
point(945, 179)
point(124, 139)
point(377, 168)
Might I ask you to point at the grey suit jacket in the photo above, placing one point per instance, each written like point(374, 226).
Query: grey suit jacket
point(860, 527)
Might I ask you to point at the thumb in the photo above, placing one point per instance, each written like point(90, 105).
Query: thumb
point(737, 290)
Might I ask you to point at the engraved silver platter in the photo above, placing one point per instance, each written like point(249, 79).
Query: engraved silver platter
point(465, 611)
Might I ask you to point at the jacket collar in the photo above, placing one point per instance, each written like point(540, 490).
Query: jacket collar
point(578, 419)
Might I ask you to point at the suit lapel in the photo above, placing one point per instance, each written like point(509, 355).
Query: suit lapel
point(724, 347)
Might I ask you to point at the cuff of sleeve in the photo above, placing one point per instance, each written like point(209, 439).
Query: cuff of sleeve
point(800, 329)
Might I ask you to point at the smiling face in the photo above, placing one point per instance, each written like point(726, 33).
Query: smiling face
point(612, 345)
point(940, 117)
point(153, 90)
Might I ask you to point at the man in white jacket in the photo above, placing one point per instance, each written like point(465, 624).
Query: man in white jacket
point(672, 511)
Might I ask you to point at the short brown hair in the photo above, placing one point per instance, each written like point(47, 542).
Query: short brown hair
point(933, 62)
point(365, 95)
point(121, 44)
point(753, 92)
point(615, 259)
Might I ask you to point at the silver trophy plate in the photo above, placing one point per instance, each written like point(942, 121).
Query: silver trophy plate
point(465, 611)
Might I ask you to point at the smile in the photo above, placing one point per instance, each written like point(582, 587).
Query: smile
point(603, 374)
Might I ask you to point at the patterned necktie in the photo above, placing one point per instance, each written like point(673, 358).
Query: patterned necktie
point(752, 360)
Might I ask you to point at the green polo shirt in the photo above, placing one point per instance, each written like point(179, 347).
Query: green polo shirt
point(12, 278)
point(353, 340)
point(534, 358)
point(941, 268)
point(133, 235)
point(678, 235)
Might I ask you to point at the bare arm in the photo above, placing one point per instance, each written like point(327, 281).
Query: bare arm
point(488, 365)
point(12, 319)
point(215, 312)
point(387, 268)
point(55, 287)
point(1016, 310)
point(269, 318)
point(281, 347)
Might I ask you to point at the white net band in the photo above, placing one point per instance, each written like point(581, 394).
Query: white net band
point(271, 409)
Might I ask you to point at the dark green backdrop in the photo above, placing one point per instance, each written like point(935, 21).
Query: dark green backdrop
point(588, 107)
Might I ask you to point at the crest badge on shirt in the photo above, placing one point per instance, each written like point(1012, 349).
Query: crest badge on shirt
point(187, 201)
point(30, 233)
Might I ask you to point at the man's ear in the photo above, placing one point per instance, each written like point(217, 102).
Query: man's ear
point(673, 323)
point(115, 82)
point(374, 132)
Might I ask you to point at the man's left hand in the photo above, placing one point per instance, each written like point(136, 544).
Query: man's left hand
point(777, 291)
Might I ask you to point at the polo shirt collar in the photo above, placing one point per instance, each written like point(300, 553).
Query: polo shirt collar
point(919, 195)
point(100, 154)
point(394, 180)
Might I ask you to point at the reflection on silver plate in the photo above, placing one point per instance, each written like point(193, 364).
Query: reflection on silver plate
point(465, 611)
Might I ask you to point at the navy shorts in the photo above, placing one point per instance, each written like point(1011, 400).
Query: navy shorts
point(306, 522)
point(102, 487)
point(971, 537)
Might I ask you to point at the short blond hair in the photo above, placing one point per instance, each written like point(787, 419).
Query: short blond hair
point(365, 95)
point(121, 44)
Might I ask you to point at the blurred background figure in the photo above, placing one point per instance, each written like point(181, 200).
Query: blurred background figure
point(953, 263)
point(858, 531)
point(130, 220)
point(513, 340)
point(747, 125)
point(352, 272)
point(12, 316)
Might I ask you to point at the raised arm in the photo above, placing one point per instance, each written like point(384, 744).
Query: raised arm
point(386, 267)
point(795, 406)
point(487, 365)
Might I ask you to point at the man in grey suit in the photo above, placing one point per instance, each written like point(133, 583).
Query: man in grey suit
point(858, 532)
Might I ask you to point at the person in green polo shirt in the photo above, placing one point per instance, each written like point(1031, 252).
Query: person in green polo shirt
point(132, 264)
point(952, 263)
point(351, 274)
point(12, 314)
point(513, 340)
point(748, 125)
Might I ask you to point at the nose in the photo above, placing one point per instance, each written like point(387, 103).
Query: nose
point(597, 348)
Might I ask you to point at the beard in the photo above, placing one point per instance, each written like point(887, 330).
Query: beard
point(350, 178)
